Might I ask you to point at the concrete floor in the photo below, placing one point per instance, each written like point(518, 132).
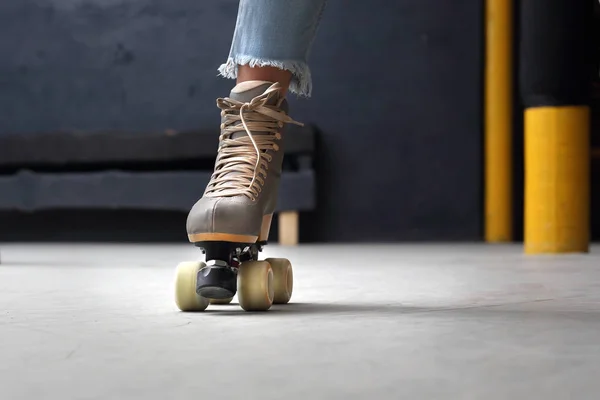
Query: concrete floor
point(367, 322)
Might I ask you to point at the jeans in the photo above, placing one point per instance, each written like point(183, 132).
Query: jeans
point(277, 33)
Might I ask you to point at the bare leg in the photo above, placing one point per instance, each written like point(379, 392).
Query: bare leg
point(269, 74)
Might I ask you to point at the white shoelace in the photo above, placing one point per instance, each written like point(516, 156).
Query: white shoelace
point(242, 162)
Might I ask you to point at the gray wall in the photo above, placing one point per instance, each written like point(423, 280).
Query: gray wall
point(398, 94)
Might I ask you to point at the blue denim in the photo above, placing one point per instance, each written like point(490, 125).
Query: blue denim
point(277, 33)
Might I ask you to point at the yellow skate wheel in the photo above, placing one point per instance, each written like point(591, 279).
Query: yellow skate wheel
point(221, 301)
point(255, 286)
point(283, 280)
point(185, 287)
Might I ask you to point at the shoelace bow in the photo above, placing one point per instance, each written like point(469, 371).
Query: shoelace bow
point(242, 162)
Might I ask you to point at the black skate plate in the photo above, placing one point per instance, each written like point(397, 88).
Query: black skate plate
point(218, 280)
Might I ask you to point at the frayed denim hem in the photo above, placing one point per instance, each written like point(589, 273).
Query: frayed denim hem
point(301, 83)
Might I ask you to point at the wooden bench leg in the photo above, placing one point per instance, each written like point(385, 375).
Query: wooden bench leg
point(288, 228)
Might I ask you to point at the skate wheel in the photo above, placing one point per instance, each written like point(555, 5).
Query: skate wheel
point(255, 286)
point(283, 280)
point(185, 287)
point(221, 301)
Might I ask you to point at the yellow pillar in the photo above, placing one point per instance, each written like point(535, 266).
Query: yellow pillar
point(554, 81)
point(498, 122)
point(557, 179)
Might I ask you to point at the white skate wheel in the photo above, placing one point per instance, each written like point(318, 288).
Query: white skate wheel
point(255, 286)
point(283, 280)
point(186, 297)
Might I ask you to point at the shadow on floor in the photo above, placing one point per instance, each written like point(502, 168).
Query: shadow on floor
point(321, 308)
point(566, 307)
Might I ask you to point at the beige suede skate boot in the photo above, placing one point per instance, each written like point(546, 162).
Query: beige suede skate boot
point(231, 222)
point(239, 201)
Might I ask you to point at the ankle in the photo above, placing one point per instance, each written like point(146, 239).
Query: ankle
point(270, 74)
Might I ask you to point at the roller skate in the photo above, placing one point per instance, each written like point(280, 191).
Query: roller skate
point(231, 222)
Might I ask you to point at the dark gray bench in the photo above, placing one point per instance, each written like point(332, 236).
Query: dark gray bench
point(164, 171)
